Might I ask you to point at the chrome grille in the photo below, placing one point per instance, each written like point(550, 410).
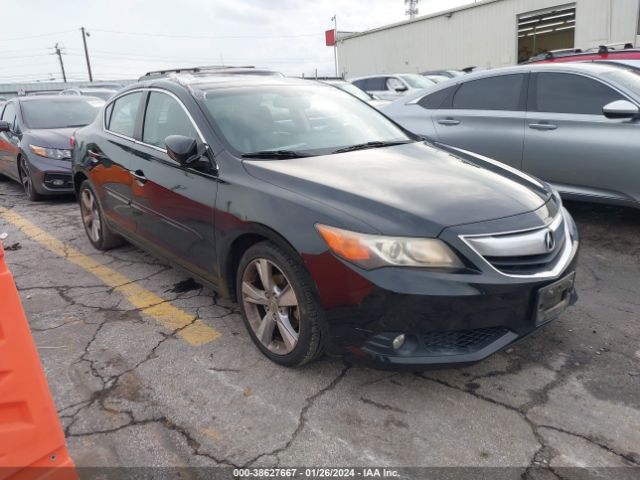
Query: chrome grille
point(523, 253)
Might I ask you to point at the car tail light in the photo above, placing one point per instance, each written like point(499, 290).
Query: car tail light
point(72, 142)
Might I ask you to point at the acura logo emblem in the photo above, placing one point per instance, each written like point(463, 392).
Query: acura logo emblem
point(549, 241)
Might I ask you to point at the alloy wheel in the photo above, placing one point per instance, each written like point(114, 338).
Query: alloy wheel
point(90, 214)
point(271, 306)
point(25, 176)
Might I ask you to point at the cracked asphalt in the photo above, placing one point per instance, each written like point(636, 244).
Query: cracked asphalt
point(132, 392)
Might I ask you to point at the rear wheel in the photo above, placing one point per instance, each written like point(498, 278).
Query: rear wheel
point(99, 233)
point(278, 306)
point(27, 180)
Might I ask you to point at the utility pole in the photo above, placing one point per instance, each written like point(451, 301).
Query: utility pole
point(412, 8)
point(59, 53)
point(85, 34)
point(335, 42)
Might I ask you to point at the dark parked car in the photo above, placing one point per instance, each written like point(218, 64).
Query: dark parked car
point(34, 140)
point(334, 228)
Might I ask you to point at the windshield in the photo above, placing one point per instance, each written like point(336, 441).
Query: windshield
point(629, 79)
point(417, 81)
point(104, 94)
point(310, 120)
point(54, 113)
point(353, 90)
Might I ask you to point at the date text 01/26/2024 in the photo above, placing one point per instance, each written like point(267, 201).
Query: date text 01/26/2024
point(313, 473)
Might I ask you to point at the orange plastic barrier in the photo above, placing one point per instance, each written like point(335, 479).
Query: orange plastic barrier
point(32, 444)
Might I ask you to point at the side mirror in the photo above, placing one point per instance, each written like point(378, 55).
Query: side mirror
point(620, 109)
point(4, 126)
point(401, 89)
point(184, 150)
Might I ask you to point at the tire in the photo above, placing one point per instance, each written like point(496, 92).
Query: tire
point(277, 308)
point(27, 180)
point(97, 230)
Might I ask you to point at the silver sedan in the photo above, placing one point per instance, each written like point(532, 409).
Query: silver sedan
point(575, 125)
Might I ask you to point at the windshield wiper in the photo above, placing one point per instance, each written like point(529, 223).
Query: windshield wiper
point(274, 154)
point(376, 144)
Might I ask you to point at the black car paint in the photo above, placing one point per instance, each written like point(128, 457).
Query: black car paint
point(202, 219)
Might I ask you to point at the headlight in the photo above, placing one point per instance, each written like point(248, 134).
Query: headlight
point(55, 153)
point(374, 251)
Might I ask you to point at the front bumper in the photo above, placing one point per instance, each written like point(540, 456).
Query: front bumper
point(447, 318)
point(51, 177)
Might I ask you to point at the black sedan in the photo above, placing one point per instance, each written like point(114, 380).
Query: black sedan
point(35, 135)
point(335, 229)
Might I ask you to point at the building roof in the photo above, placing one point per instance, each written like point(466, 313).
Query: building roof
point(441, 13)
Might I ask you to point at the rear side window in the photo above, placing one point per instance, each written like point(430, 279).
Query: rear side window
point(124, 113)
point(377, 83)
point(361, 84)
point(164, 117)
point(567, 93)
point(493, 93)
point(436, 100)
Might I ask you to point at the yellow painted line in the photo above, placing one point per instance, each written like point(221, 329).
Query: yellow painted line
point(166, 314)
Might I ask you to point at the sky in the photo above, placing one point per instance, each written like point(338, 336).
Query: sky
point(129, 37)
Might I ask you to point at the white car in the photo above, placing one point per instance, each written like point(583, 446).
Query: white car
point(357, 92)
point(392, 86)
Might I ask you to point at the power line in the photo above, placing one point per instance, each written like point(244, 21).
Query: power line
point(35, 36)
point(168, 35)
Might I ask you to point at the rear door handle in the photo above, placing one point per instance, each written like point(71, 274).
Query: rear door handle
point(139, 176)
point(543, 126)
point(449, 121)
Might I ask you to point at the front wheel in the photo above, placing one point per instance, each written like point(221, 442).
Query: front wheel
point(278, 306)
point(27, 180)
point(99, 233)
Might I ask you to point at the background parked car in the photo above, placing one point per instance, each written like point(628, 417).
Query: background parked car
point(35, 135)
point(103, 93)
point(356, 92)
point(391, 87)
point(572, 124)
point(443, 73)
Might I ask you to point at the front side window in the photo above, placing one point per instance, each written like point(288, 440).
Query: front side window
point(65, 112)
point(393, 84)
point(9, 114)
point(164, 117)
point(567, 93)
point(493, 93)
point(377, 84)
point(311, 120)
point(124, 113)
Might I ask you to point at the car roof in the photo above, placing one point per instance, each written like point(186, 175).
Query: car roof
point(576, 67)
point(216, 81)
point(61, 98)
point(383, 75)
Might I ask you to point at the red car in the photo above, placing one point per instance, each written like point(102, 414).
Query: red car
point(603, 53)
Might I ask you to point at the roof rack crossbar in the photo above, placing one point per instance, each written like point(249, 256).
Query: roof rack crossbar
point(193, 69)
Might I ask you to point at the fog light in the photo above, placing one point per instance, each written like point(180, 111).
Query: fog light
point(57, 182)
point(398, 342)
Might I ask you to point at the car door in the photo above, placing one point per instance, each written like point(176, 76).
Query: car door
point(112, 156)
point(10, 142)
point(570, 143)
point(486, 116)
point(174, 205)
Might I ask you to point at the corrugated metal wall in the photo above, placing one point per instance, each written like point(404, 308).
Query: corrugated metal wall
point(484, 35)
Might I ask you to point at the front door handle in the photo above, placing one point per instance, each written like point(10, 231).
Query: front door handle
point(543, 126)
point(449, 121)
point(139, 176)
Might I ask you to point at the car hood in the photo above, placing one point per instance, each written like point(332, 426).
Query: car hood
point(412, 190)
point(51, 138)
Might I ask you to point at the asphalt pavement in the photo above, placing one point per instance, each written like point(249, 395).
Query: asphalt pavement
point(148, 368)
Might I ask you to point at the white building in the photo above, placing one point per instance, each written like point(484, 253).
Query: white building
point(489, 33)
